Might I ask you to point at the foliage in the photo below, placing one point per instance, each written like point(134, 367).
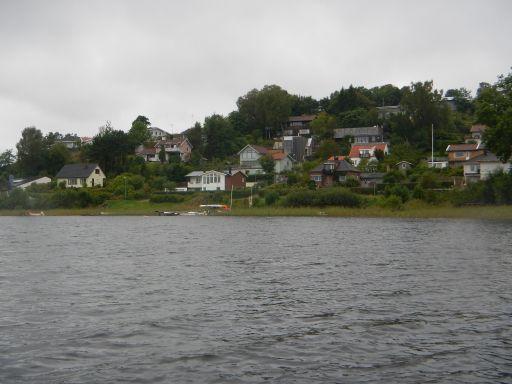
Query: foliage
point(323, 125)
point(56, 157)
point(398, 190)
point(323, 197)
point(497, 189)
point(494, 108)
point(423, 108)
point(359, 117)
point(303, 105)
point(31, 152)
point(393, 202)
point(110, 148)
point(265, 110)
point(267, 164)
point(218, 135)
point(327, 148)
point(271, 197)
point(139, 132)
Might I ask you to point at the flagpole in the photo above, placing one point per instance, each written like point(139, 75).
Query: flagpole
point(432, 157)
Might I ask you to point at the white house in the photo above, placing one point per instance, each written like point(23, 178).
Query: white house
point(358, 152)
point(481, 167)
point(158, 133)
point(81, 175)
point(282, 162)
point(250, 159)
point(215, 180)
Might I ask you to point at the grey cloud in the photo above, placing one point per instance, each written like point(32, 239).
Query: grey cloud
point(71, 65)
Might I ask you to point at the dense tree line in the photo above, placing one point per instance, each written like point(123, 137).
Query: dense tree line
point(260, 115)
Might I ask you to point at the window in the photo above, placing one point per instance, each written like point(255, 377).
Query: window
point(97, 171)
point(459, 154)
point(316, 178)
point(72, 181)
point(84, 181)
point(342, 178)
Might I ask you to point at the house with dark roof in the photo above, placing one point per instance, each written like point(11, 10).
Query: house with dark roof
point(481, 167)
point(81, 175)
point(361, 135)
point(333, 171)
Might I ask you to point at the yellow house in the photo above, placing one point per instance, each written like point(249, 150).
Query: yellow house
point(81, 175)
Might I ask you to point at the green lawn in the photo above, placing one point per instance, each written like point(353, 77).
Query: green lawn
point(413, 209)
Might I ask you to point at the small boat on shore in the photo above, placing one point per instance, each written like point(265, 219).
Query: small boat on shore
point(167, 213)
point(29, 213)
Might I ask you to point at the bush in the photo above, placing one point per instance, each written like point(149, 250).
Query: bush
point(327, 197)
point(271, 197)
point(418, 192)
point(393, 202)
point(351, 182)
point(166, 199)
point(398, 190)
point(17, 199)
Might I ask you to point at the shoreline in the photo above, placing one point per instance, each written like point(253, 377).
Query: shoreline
point(420, 212)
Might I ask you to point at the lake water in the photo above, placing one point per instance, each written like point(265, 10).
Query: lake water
point(249, 300)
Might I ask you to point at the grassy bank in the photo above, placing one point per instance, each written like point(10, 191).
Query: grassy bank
point(413, 209)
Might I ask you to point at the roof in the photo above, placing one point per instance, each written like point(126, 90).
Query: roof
point(340, 133)
point(337, 158)
point(147, 151)
point(278, 154)
point(18, 182)
point(341, 166)
point(371, 175)
point(354, 151)
point(488, 157)
point(302, 118)
point(261, 150)
point(463, 147)
point(478, 128)
point(76, 170)
point(194, 174)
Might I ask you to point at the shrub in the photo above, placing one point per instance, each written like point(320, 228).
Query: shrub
point(333, 197)
point(418, 192)
point(393, 202)
point(271, 197)
point(17, 199)
point(351, 182)
point(398, 190)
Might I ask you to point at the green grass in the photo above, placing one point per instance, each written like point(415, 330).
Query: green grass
point(413, 209)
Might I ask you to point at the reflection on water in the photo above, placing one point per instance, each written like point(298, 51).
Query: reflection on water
point(230, 300)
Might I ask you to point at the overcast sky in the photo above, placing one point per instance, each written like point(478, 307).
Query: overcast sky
point(69, 66)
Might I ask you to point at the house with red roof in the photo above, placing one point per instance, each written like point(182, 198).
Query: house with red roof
point(358, 152)
point(250, 156)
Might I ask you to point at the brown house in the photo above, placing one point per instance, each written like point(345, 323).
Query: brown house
point(298, 125)
point(459, 153)
point(332, 171)
point(235, 180)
